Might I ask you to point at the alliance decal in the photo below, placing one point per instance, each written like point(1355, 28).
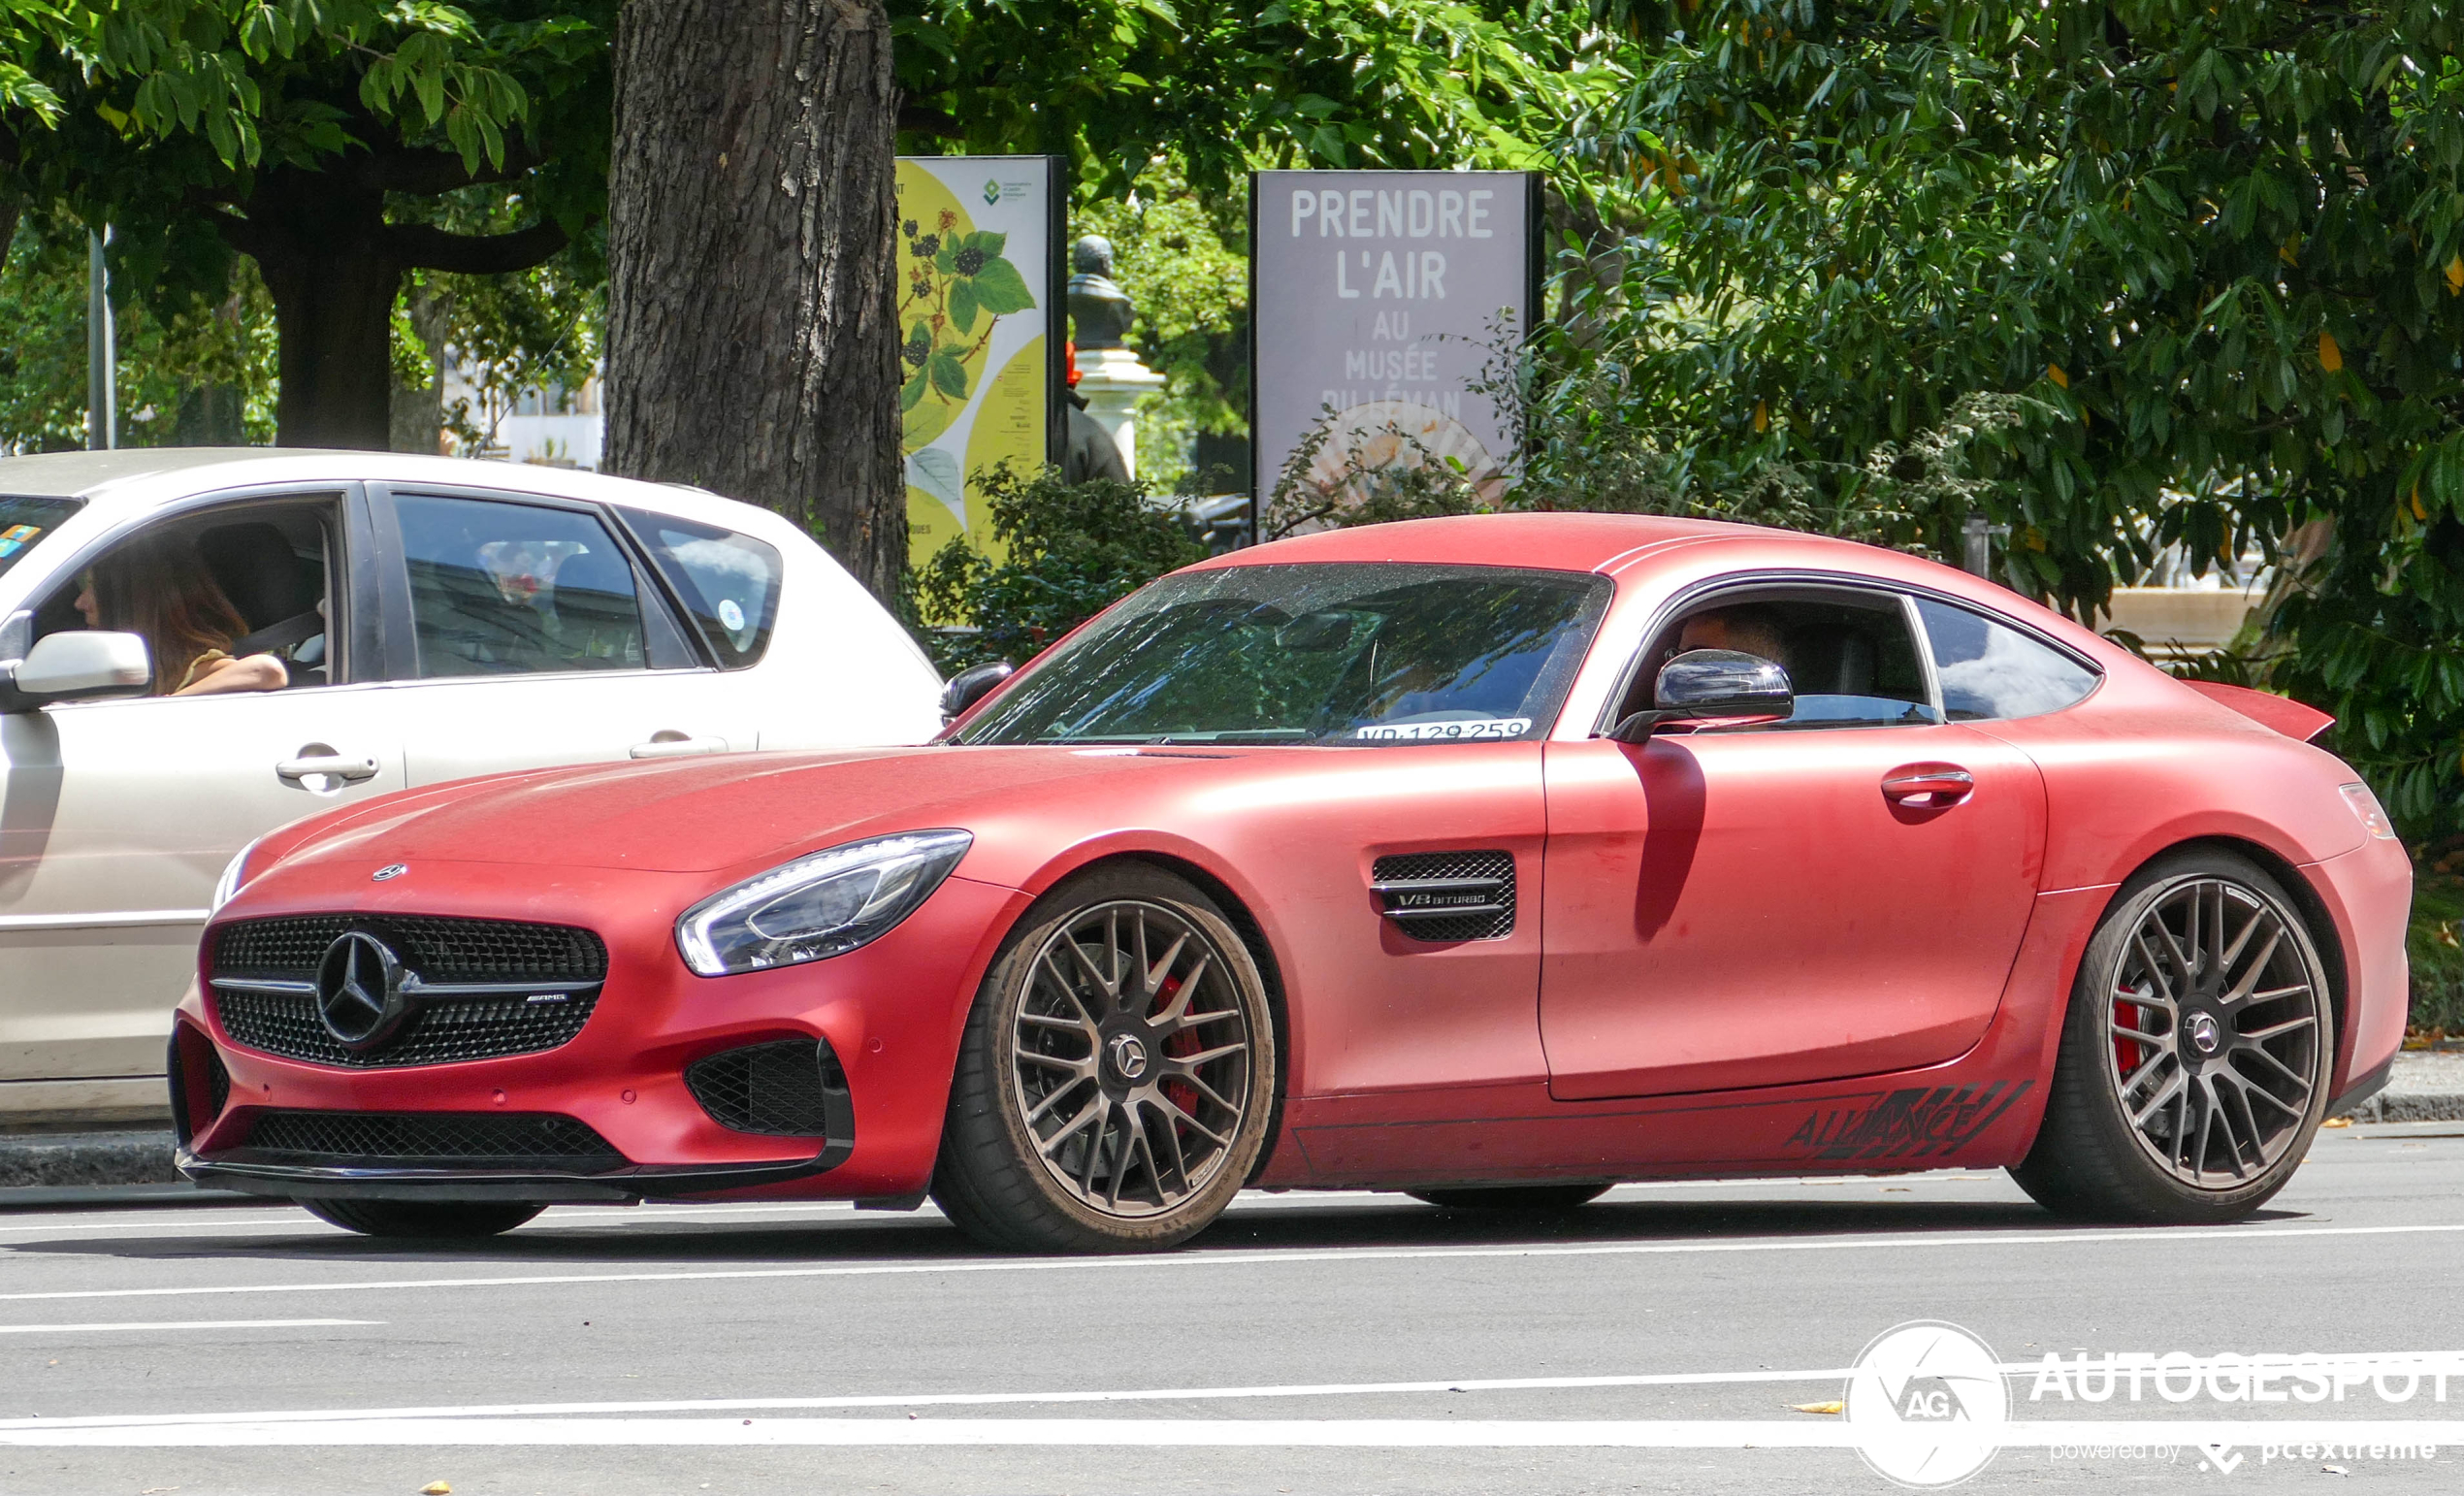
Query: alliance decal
point(1916, 1124)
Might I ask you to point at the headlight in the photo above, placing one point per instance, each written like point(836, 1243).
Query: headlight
point(232, 875)
point(825, 904)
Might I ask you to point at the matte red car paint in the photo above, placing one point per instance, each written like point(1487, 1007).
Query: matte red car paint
point(1409, 1063)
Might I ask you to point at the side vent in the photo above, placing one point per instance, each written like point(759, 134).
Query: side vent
point(1444, 896)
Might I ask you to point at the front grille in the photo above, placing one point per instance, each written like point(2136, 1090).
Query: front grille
point(791, 1087)
point(437, 950)
point(1499, 865)
point(539, 1140)
point(440, 950)
point(217, 1084)
point(439, 1034)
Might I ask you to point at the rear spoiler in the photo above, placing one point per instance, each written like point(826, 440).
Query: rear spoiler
point(2282, 713)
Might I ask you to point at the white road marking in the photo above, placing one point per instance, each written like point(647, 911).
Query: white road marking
point(179, 1324)
point(1277, 1257)
point(1251, 1432)
point(2423, 1364)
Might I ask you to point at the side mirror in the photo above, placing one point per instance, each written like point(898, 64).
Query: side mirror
point(971, 686)
point(1711, 685)
point(79, 666)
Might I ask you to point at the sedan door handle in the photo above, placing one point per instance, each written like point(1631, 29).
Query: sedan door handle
point(1929, 786)
point(675, 745)
point(326, 765)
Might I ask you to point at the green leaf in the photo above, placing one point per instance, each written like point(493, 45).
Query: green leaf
point(948, 375)
point(999, 288)
point(911, 393)
point(962, 305)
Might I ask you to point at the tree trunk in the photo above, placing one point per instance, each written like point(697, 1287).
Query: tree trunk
point(418, 416)
point(752, 343)
point(318, 239)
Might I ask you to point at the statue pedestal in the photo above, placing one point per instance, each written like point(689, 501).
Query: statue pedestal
point(1113, 379)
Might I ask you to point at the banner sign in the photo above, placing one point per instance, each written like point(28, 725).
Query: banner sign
point(1374, 301)
point(981, 315)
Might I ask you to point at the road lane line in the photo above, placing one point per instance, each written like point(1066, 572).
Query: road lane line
point(179, 1324)
point(1272, 1258)
point(1252, 1433)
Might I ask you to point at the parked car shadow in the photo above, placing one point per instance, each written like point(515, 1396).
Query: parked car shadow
point(1294, 1223)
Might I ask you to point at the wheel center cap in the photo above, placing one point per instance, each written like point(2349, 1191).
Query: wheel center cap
point(2205, 1034)
point(1128, 1055)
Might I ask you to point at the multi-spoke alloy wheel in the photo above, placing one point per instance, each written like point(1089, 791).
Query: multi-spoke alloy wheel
point(2215, 1023)
point(1130, 1057)
point(1115, 1085)
point(2195, 1056)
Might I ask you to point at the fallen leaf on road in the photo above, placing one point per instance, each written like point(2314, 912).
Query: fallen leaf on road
point(436, 1488)
point(2337, 1121)
point(1817, 1407)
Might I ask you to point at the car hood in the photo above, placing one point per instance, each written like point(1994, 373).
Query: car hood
point(722, 812)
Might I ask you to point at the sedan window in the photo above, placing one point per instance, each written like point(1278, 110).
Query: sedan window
point(501, 589)
point(24, 521)
point(728, 582)
point(1992, 670)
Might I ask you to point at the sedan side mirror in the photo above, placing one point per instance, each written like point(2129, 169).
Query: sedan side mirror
point(968, 687)
point(1711, 685)
point(76, 666)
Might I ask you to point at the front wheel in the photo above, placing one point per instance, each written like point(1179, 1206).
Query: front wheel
point(1117, 1079)
point(2194, 1060)
point(439, 1220)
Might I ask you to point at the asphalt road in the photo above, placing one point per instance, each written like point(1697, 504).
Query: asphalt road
point(1309, 1344)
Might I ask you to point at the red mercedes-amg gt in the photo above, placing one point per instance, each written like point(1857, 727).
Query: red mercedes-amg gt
point(1494, 860)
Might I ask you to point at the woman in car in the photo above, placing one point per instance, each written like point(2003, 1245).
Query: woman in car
point(158, 587)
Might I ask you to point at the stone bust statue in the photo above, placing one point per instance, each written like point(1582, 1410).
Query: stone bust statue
point(1100, 308)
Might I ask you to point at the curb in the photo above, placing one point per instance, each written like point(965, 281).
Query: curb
point(67, 1159)
point(2408, 1107)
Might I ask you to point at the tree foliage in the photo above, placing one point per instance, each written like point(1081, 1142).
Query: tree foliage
point(2220, 248)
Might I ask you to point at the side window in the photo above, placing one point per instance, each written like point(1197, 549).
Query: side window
point(1850, 656)
point(1988, 670)
point(501, 589)
point(728, 582)
point(234, 600)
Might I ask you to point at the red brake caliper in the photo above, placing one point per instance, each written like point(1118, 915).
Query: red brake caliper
point(1178, 1092)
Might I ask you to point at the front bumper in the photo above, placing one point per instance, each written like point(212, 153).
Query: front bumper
point(891, 1014)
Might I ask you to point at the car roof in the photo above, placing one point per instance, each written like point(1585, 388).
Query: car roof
point(1558, 541)
point(136, 479)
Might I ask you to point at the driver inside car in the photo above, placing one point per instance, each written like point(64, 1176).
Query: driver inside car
point(157, 587)
point(1744, 628)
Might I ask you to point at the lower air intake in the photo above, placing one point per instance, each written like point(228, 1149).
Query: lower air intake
point(790, 1087)
point(433, 1140)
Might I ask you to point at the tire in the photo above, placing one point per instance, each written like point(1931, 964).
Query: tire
point(1530, 1199)
point(1106, 1102)
point(442, 1220)
point(2195, 1056)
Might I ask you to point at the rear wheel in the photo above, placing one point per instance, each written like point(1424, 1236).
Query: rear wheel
point(1531, 1199)
point(1117, 1079)
point(437, 1220)
point(2194, 1060)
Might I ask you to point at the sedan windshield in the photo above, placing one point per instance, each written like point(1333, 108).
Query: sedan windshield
point(1326, 653)
point(24, 521)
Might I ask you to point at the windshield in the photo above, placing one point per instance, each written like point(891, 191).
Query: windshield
point(24, 521)
point(1329, 653)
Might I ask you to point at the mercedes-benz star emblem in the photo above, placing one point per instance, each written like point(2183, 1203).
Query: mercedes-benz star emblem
point(389, 873)
point(2205, 1037)
point(1129, 1056)
point(358, 990)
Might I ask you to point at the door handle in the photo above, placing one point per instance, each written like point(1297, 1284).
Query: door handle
point(676, 745)
point(325, 766)
point(1929, 786)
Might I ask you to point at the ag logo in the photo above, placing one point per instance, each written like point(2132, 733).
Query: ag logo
point(992, 193)
point(1926, 1399)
